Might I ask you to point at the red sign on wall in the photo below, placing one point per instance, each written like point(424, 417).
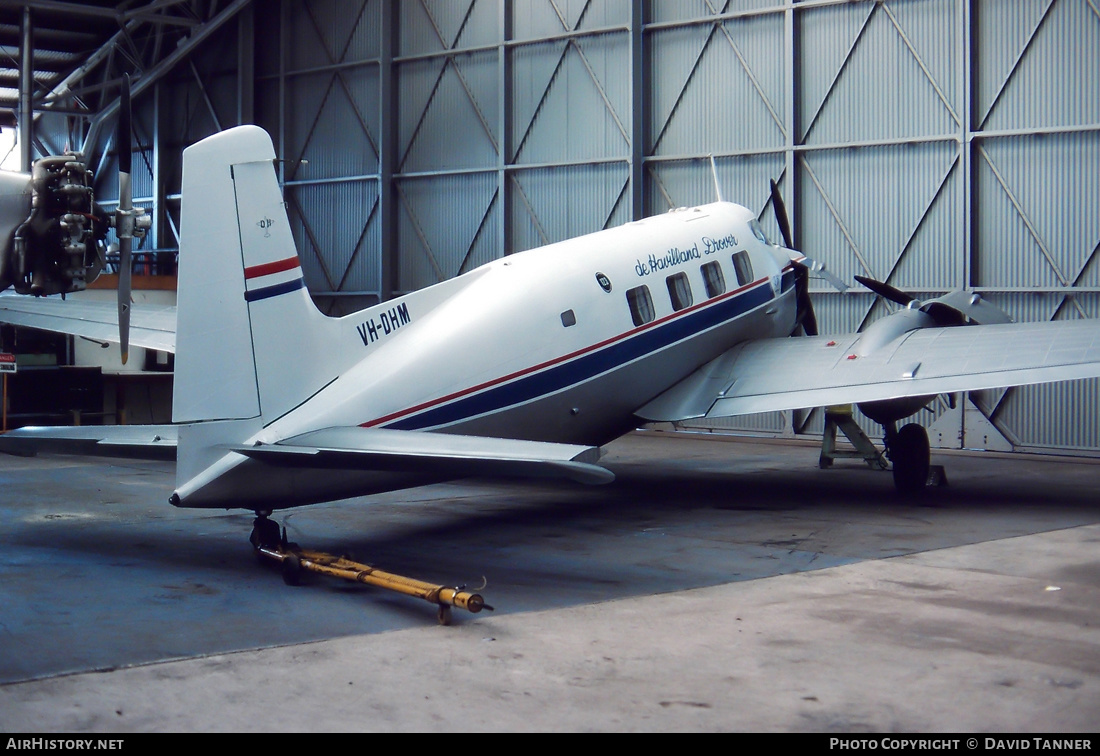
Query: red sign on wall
point(7, 363)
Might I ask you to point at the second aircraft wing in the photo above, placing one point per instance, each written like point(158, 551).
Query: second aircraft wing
point(151, 326)
point(803, 372)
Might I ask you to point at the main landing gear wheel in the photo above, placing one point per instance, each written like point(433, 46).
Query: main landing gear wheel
point(911, 456)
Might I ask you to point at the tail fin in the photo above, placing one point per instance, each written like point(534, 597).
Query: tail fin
point(247, 333)
point(250, 344)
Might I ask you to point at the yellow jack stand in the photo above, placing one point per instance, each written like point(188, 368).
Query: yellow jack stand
point(839, 417)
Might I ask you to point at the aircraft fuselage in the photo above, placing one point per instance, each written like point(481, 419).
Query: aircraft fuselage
point(561, 343)
point(542, 345)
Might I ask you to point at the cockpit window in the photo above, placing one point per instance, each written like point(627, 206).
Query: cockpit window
point(758, 231)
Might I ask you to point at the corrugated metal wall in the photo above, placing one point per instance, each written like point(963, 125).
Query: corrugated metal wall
point(933, 144)
point(199, 97)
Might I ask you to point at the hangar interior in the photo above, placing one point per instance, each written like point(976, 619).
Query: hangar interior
point(930, 144)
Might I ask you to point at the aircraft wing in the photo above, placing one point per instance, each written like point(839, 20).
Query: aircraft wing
point(151, 326)
point(355, 448)
point(349, 448)
point(803, 372)
point(130, 441)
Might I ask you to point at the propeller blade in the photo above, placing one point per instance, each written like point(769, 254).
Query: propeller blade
point(122, 134)
point(124, 222)
point(806, 317)
point(125, 249)
point(886, 291)
point(818, 269)
point(815, 267)
point(781, 216)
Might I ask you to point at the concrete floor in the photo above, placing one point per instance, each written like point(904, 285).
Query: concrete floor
point(718, 585)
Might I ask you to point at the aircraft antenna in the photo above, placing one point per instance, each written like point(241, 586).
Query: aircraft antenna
point(714, 173)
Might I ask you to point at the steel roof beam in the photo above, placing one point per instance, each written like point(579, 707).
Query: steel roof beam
point(199, 35)
point(26, 87)
point(147, 12)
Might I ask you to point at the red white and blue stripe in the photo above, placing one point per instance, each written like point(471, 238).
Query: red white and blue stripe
point(272, 279)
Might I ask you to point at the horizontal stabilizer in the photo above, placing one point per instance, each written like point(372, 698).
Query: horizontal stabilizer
point(444, 454)
point(131, 441)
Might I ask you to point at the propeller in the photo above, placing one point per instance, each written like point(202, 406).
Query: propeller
point(803, 266)
point(952, 309)
point(128, 221)
point(886, 291)
point(781, 215)
point(805, 318)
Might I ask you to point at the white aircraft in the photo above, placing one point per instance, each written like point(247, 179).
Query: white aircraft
point(522, 367)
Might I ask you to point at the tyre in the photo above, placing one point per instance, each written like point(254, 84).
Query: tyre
point(910, 454)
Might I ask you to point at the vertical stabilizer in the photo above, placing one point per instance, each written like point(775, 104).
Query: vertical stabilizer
point(215, 375)
point(250, 344)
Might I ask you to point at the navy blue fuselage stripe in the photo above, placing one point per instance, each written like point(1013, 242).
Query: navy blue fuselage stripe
point(589, 365)
point(273, 291)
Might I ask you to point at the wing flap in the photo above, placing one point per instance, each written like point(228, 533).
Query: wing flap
point(355, 448)
point(797, 373)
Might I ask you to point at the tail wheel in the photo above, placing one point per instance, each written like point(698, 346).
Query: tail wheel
point(265, 533)
point(910, 455)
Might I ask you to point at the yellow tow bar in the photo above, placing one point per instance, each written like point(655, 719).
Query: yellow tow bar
point(295, 560)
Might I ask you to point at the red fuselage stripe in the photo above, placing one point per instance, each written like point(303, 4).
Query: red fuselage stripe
point(273, 267)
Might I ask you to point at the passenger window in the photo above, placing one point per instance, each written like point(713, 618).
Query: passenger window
point(713, 280)
point(742, 266)
point(679, 291)
point(568, 318)
point(641, 305)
